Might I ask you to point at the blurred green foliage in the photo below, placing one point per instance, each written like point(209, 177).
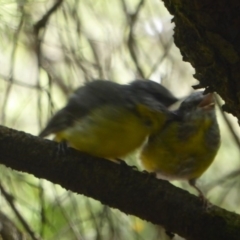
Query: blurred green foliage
point(42, 62)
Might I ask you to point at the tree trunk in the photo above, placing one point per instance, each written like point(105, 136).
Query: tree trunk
point(208, 35)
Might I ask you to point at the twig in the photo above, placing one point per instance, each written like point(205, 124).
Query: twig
point(132, 18)
point(43, 21)
point(10, 200)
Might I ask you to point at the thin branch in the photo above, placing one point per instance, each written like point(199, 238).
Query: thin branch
point(43, 21)
point(13, 54)
point(222, 180)
point(229, 125)
point(8, 230)
point(20, 83)
point(70, 222)
point(132, 45)
point(160, 59)
point(10, 200)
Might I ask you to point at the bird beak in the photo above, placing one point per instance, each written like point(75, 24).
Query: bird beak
point(207, 102)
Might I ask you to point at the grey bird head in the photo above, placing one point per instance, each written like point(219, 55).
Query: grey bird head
point(197, 105)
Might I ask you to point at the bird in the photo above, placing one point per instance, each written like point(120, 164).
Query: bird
point(184, 149)
point(109, 120)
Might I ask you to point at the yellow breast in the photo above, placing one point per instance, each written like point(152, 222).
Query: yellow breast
point(108, 132)
point(176, 157)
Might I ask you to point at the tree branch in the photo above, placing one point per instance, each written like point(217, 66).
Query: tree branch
point(208, 35)
point(118, 186)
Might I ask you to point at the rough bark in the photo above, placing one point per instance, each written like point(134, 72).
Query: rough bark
point(118, 186)
point(208, 35)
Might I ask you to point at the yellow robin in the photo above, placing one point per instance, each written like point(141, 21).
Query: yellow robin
point(183, 150)
point(110, 120)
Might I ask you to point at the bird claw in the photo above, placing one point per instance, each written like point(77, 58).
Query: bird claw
point(206, 204)
point(124, 164)
point(62, 148)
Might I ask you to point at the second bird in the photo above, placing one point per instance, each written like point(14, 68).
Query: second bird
point(183, 150)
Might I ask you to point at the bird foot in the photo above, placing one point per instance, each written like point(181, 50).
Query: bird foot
point(62, 148)
point(124, 164)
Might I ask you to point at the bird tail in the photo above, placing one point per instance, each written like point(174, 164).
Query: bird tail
point(60, 121)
